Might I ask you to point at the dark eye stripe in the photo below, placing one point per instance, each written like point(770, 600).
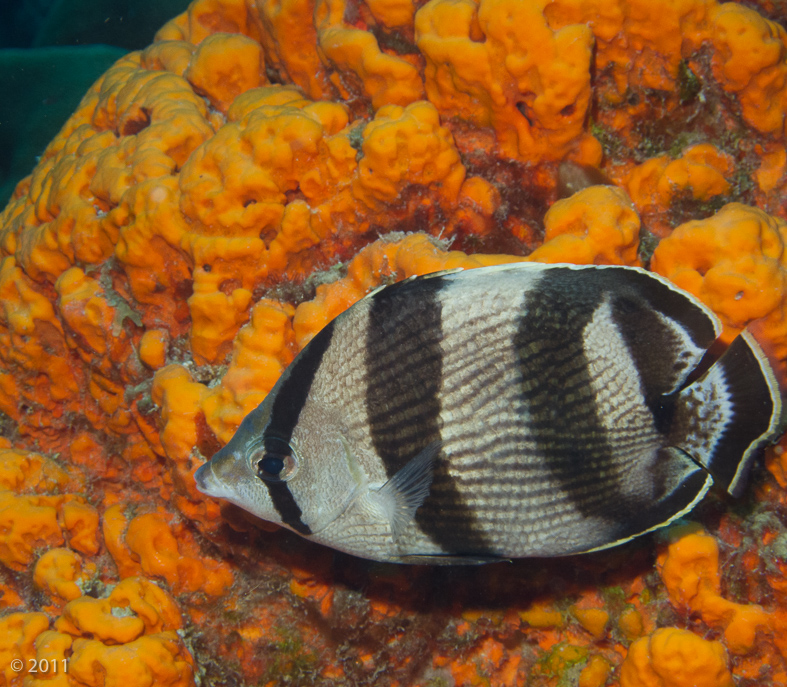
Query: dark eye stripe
point(285, 505)
point(290, 399)
point(294, 390)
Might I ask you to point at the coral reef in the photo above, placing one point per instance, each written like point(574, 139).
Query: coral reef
point(218, 197)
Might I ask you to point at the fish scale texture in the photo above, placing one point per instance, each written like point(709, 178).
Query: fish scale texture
point(218, 197)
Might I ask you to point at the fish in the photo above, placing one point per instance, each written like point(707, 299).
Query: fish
point(520, 410)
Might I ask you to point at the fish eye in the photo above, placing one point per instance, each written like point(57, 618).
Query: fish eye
point(274, 461)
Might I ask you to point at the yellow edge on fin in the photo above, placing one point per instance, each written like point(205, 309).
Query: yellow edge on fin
point(679, 514)
point(778, 406)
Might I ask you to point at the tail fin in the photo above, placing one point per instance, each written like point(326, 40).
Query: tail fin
point(723, 418)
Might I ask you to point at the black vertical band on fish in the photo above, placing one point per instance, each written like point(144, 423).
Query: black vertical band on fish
point(293, 389)
point(286, 506)
point(557, 382)
point(404, 376)
point(518, 410)
point(289, 401)
point(404, 370)
point(563, 417)
point(698, 323)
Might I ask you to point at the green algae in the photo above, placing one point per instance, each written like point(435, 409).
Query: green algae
point(292, 663)
point(689, 84)
point(563, 661)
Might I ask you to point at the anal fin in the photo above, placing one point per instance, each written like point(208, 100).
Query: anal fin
point(683, 485)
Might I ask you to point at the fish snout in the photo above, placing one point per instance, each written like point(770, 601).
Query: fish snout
point(206, 479)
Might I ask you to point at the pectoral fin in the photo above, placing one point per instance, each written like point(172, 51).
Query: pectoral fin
point(402, 495)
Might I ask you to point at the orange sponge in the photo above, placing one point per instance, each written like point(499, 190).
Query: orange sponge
point(134, 607)
point(501, 64)
point(736, 262)
point(161, 551)
point(62, 573)
point(675, 658)
point(597, 226)
point(224, 65)
point(17, 635)
point(27, 523)
point(690, 570)
point(159, 659)
point(700, 173)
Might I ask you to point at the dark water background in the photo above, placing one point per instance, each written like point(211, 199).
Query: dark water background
point(51, 51)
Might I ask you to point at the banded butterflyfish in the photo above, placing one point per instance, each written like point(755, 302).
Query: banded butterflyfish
point(519, 410)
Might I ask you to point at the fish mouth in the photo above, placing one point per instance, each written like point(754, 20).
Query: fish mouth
point(206, 480)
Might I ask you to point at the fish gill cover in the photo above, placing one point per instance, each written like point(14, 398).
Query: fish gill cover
point(220, 196)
